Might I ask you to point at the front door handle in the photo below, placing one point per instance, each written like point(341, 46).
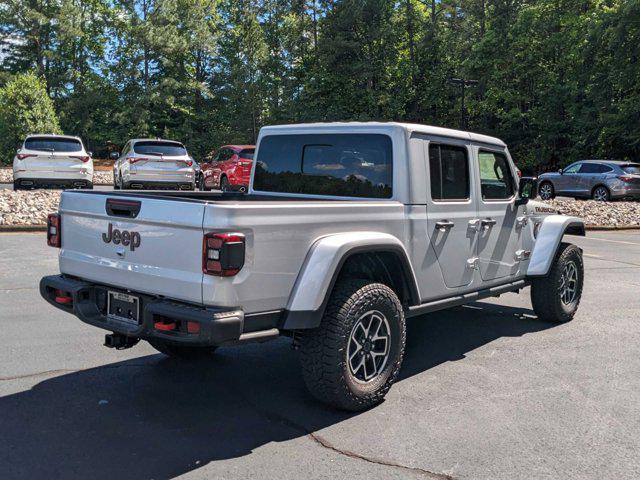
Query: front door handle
point(488, 222)
point(444, 225)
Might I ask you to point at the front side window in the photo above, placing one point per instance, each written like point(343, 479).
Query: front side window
point(345, 165)
point(159, 148)
point(49, 144)
point(449, 172)
point(573, 168)
point(496, 179)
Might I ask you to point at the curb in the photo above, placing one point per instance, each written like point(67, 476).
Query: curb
point(22, 228)
point(607, 228)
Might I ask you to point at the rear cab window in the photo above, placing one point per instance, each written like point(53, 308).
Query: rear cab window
point(448, 173)
point(50, 144)
point(159, 148)
point(345, 165)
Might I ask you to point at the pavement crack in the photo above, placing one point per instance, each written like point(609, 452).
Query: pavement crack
point(324, 443)
point(328, 445)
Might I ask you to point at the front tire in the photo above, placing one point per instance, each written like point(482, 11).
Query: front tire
point(224, 184)
point(555, 298)
point(546, 191)
point(352, 359)
point(182, 352)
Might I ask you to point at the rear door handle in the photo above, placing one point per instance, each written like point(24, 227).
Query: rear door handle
point(488, 222)
point(443, 225)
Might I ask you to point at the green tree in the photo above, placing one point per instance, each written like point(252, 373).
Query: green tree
point(25, 108)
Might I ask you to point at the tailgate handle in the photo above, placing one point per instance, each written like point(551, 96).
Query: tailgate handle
point(122, 208)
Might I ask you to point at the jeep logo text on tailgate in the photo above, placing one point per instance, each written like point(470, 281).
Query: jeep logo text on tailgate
point(124, 237)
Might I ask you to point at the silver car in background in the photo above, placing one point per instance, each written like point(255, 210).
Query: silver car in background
point(154, 163)
point(600, 180)
point(52, 161)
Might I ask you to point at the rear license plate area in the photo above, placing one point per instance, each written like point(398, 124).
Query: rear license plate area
point(123, 307)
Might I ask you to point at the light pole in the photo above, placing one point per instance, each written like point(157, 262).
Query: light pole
point(464, 83)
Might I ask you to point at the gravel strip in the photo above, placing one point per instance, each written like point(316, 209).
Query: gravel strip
point(99, 178)
point(30, 207)
point(606, 214)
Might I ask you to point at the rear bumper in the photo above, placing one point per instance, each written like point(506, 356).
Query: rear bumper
point(626, 192)
point(44, 178)
point(155, 185)
point(217, 326)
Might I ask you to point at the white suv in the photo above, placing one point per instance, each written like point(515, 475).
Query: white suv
point(154, 163)
point(52, 160)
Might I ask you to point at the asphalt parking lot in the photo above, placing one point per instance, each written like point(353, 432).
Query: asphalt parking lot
point(487, 392)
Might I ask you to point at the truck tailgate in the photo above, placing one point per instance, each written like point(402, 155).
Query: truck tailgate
point(161, 253)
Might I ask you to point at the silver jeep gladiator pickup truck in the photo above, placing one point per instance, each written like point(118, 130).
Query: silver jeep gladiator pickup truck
point(347, 230)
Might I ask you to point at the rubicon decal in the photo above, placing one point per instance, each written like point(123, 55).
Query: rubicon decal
point(124, 237)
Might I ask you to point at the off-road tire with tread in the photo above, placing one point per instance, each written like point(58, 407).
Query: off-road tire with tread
point(545, 292)
point(323, 350)
point(181, 352)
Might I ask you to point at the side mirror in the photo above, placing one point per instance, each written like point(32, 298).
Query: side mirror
point(90, 154)
point(560, 171)
point(114, 155)
point(527, 190)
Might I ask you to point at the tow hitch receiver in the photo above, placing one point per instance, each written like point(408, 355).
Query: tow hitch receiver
point(119, 342)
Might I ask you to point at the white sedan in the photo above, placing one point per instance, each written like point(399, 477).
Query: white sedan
point(153, 163)
point(52, 161)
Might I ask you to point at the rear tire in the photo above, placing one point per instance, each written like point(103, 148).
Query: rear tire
point(351, 360)
point(182, 352)
point(555, 298)
point(601, 194)
point(16, 185)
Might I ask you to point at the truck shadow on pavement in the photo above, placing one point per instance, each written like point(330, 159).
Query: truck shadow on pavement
point(151, 417)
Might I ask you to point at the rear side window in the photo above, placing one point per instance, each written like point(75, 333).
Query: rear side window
point(346, 165)
point(159, 148)
point(631, 169)
point(449, 172)
point(496, 179)
point(247, 153)
point(594, 168)
point(48, 144)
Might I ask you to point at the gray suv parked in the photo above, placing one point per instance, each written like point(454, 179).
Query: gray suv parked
point(601, 180)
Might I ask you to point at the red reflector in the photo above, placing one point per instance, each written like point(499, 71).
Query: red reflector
point(54, 235)
point(193, 327)
point(165, 327)
point(63, 297)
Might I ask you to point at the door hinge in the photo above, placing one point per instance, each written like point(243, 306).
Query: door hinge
point(473, 263)
point(521, 222)
point(474, 224)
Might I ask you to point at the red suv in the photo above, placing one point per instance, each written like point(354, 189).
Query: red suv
point(229, 170)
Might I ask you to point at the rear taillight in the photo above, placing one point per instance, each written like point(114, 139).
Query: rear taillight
point(22, 156)
point(82, 157)
point(188, 163)
point(625, 178)
point(54, 233)
point(133, 160)
point(223, 254)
